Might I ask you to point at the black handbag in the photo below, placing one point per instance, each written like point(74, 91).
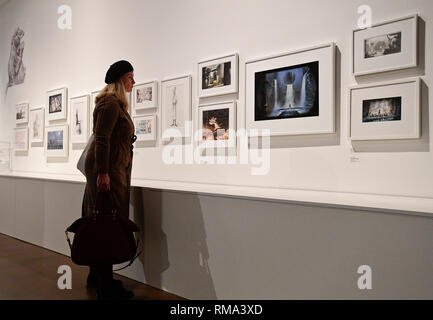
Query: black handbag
point(104, 236)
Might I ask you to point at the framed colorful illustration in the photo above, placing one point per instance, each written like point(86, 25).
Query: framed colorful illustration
point(217, 124)
point(21, 141)
point(145, 95)
point(292, 93)
point(22, 113)
point(79, 119)
point(218, 76)
point(145, 127)
point(57, 104)
point(57, 142)
point(37, 125)
point(388, 110)
point(385, 46)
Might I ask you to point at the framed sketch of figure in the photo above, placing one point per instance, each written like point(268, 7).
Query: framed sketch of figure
point(57, 104)
point(79, 119)
point(37, 125)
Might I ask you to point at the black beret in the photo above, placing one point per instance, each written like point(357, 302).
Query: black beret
point(117, 70)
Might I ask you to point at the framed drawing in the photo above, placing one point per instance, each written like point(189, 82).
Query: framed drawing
point(5, 155)
point(292, 93)
point(218, 76)
point(145, 96)
point(57, 104)
point(217, 124)
point(385, 110)
point(385, 46)
point(57, 143)
point(21, 140)
point(176, 106)
point(79, 119)
point(22, 113)
point(37, 125)
point(145, 127)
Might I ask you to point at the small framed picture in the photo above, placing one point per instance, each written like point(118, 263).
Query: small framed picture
point(385, 46)
point(57, 142)
point(22, 113)
point(145, 95)
point(385, 110)
point(37, 125)
point(79, 119)
point(217, 124)
point(145, 127)
point(21, 140)
point(57, 104)
point(218, 76)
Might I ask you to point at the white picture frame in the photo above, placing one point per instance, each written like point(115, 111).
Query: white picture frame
point(22, 113)
point(218, 76)
point(145, 96)
point(217, 124)
point(386, 46)
point(37, 125)
point(176, 107)
point(79, 119)
point(304, 106)
point(21, 139)
point(387, 110)
point(145, 127)
point(57, 141)
point(57, 104)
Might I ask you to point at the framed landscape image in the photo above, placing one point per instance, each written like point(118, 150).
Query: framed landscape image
point(37, 125)
point(385, 46)
point(57, 142)
point(292, 93)
point(145, 127)
point(79, 119)
point(385, 110)
point(22, 113)
point(218, 76)
point(145, 95)
point(21, 140)
point(57, 104)
point(175, 105)
point(217, 124)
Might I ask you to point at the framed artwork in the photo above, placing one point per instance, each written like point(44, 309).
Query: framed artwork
point(21, 140)
point(217, 123)
point(176, 105)
point(22, 113)
point(218, 76)
point(79, 119)
point(37, 125)
point(292, 93)
point(145, 127)
point(57, 142)
point(57, 104)
point(145, 96)
point(385, 46)
point(385, 110)
point(5, 156)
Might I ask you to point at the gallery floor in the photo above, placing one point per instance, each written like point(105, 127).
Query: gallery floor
point(29, 272)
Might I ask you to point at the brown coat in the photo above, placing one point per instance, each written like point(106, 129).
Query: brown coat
point(110, 152)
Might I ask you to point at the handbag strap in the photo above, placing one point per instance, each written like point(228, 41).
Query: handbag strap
point(132, 260)
point(98, 205)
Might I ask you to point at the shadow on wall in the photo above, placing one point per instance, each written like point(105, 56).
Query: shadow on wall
point(183, 257)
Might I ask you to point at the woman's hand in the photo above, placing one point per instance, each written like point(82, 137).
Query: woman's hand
point(103, 182)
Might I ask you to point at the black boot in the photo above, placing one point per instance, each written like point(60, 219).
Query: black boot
point(108, 288)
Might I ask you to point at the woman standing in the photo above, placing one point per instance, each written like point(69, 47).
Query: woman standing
point(109, 162)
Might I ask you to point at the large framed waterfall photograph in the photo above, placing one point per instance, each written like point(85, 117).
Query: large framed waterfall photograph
point(292, 93)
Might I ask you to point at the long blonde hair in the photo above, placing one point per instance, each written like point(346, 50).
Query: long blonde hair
point(118, 90)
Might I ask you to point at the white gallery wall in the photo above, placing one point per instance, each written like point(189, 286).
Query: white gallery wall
point(215, 246)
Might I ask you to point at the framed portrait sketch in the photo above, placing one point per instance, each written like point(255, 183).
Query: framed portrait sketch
point(217, 124)
point(218, 76)
point(22, 113)
point(57, 104)
point(176, 106)
point(385, 46)
point(37, 125)
point(292, 93)
point(145, 96)
point(385, 110)
point(79, 119)
point(145, 127)
point(57, 142)
point(21, 140)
